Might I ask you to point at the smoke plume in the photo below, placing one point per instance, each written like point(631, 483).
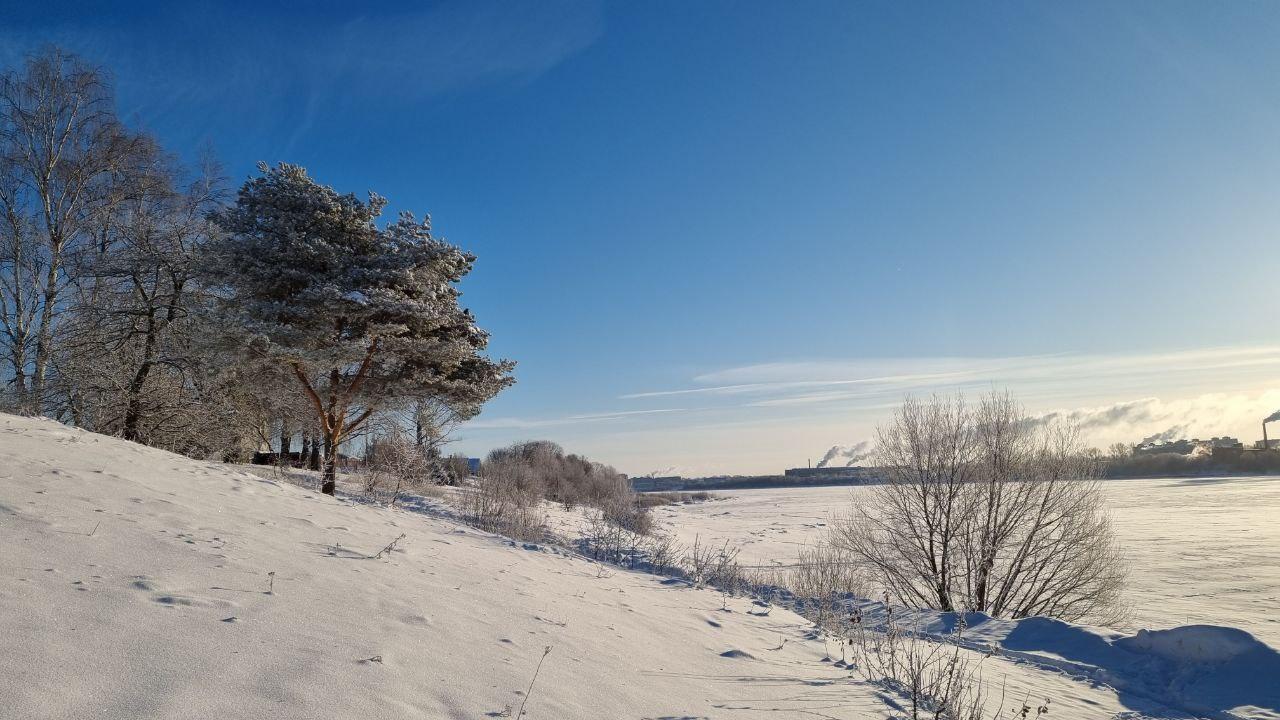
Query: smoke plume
point(851, 454)
point(1172, 433)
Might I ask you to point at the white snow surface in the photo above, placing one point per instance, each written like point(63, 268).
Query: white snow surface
point(1200, 550)
point(135, 584)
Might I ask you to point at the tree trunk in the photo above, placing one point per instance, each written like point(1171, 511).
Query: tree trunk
point(44, 333)
point(286, 443)
point(133, 410)
point(330, 467)
point(19, 361)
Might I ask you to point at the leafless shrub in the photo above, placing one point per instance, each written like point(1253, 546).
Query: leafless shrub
point(652, 500)
point(767, 581)
point(507, 500)
point(568, 479)
point(658, 499)
point(606, 539)
point(718, 567)
point(937, 678)
point(394, 464)
point(983, 510)
point(572, 480)
point(627, 514)
point(663, 554)
point(822, 577)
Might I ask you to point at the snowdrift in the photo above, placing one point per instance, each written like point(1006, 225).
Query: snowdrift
point(1202, 669)
point(140, 584)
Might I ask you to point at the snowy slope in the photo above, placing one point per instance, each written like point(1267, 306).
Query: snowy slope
point(135, 584)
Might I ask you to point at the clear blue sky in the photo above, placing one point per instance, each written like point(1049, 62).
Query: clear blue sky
point(797, 210)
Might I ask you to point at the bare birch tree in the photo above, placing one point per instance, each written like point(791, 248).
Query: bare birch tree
point(128, 344)
point(985, 510)
point(60, 142)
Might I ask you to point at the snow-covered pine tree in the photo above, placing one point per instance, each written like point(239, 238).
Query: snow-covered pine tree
point(365, 318)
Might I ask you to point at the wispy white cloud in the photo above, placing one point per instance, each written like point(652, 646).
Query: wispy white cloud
point(820, 382)
point(624, 414)
point(518, 423)
point(764, 418)
point(280, 73)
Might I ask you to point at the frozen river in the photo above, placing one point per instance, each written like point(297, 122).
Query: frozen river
point(1200, 550)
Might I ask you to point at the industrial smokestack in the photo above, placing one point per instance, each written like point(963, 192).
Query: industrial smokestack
point(1265, 445)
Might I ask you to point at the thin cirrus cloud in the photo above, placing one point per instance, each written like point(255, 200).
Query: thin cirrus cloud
point(513, 423)
point(1051, 376)
point(1093, 386)
point(763, 417)
point(277, 73)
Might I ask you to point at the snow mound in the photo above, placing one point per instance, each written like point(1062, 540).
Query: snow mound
point(1193, 644)
point(1210, 669)
point(1206, 670)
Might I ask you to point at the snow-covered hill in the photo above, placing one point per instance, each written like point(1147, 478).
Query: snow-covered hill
point(136, 583)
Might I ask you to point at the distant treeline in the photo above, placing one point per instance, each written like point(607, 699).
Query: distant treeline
point(1173, 465)
point(741, 482)
point(1132, 466)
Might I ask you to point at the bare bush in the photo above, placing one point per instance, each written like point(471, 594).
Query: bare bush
point(507, 500)
point(604, 539)
point(663, 554)
point(823, 576)
point(394, 464)
point(937, 677)
point(983, 510)
point(658, 499)
point(573, 480)
point(568, 479)
point(715, 566)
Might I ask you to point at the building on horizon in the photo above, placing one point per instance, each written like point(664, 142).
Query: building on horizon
point(828, 472)
point(1216, 446)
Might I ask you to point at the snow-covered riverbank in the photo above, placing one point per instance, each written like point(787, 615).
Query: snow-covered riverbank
point(1202, 550)
point(140, 584)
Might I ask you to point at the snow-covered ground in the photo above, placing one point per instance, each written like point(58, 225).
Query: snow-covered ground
point(140, 584)
point(1201, 550)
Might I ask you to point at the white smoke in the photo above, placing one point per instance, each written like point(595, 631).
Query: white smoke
point(1154, 419)
point(851, 454)
point(1173, 433)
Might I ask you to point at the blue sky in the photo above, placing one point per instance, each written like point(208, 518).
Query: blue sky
point(722, 237)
